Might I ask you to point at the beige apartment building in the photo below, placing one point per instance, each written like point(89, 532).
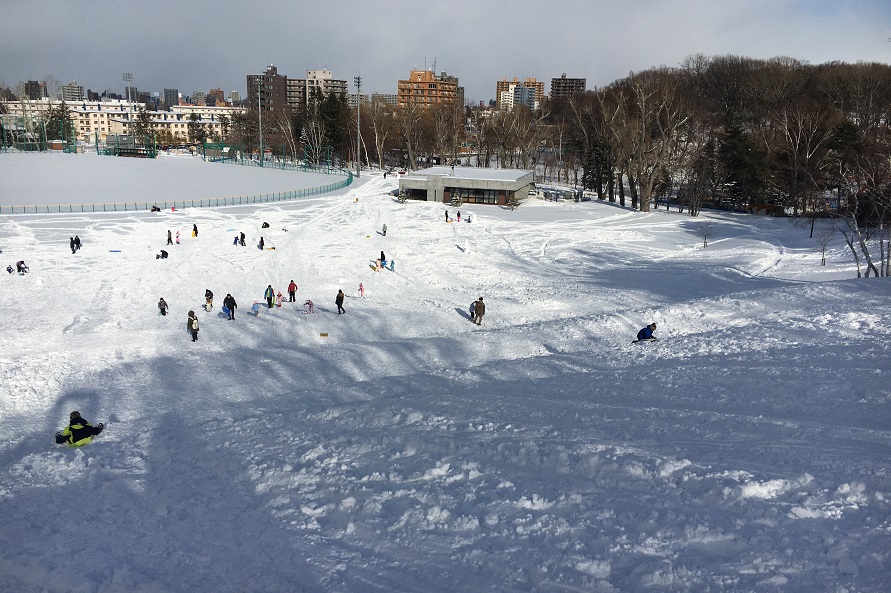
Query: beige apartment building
point(98, 119)
point(504, 91)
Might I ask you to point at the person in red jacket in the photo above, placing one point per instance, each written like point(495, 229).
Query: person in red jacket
point(292, 290)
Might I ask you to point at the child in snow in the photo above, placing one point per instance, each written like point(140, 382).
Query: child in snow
point(361, 290)
point(162, 255)
point(193, 325)
point(646, 334)
point(194, 230)
point(230, 304)
point(472, 310)
point(162, 306)
point(279, 298)
point(177, 237)
point(20, 267)
point(208, 300)
point(479, 309)
point(79, 432)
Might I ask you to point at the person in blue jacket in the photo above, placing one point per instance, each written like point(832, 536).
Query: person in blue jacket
point(646, 334)
point(269, 295)
point(79, 432)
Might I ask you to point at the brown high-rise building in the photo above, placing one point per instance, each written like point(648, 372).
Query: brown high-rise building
point(426, 89)
point(564, 87)
point(273, 92)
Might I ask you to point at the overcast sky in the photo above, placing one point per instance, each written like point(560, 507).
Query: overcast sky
point(202, 44)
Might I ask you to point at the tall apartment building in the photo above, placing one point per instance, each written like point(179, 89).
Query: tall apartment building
point(171, 97)
point(35, 90)
point(386, 99)
point(72, 92)
point(234, 97)
point(215, 97)
point(508, 93)
point(426, 89)
point(564, 87)
point(268, 92)
point(317, 83)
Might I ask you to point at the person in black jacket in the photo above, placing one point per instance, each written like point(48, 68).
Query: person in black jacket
point(229, 303)
point(79, 432)
point(338, 300)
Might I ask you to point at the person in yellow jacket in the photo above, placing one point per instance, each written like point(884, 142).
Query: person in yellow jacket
point(79, 432)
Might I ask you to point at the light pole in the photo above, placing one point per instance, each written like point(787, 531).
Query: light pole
point(260, 117)
point(128, 78)
point(358, 81)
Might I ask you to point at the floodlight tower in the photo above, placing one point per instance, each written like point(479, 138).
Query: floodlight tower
point(128, 78)
point(358, 81)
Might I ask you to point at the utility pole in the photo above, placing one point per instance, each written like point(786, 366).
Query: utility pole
point(358, 81)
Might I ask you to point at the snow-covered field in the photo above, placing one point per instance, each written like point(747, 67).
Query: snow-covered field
point(400, 448)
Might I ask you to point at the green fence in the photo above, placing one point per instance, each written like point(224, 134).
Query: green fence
point(204, 203)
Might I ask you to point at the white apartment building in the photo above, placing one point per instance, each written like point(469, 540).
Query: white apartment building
point(97, 119)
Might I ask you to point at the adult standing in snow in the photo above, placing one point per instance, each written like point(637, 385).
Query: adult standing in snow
point(79, 432)
point(385, 230)
point(479, 309)
point(162, 306)
point(261, 244)
point(447, 215)
point(169, 237)
point(71, 243)
point(193, 325)
point(292, 291)
point(269, 295)
point(194, 230)
point(241, 239)
point(76, 243)
point(229, 303)
point(459, 216)
point(383, 259)
point(646, 334)
point(338, 300)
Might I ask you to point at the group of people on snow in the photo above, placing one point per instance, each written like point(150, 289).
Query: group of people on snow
point(74, 243)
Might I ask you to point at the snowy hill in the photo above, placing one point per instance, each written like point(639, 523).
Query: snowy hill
point(400, 447)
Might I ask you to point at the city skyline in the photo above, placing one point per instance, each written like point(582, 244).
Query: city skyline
point(204, 45)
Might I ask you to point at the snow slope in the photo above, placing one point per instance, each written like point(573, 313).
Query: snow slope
point(400, 447)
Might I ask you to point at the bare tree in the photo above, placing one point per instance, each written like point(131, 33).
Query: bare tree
point(706, 231)
point(383, 123)
point(409, 120)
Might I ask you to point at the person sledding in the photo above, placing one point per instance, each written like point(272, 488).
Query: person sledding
point(20, 267)
point(269, 295)
point(79, 432)
point(646, 334)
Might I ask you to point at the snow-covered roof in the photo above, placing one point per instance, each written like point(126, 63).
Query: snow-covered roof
point(471, 173)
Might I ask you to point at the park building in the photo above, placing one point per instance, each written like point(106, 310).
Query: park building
point(467, 185)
